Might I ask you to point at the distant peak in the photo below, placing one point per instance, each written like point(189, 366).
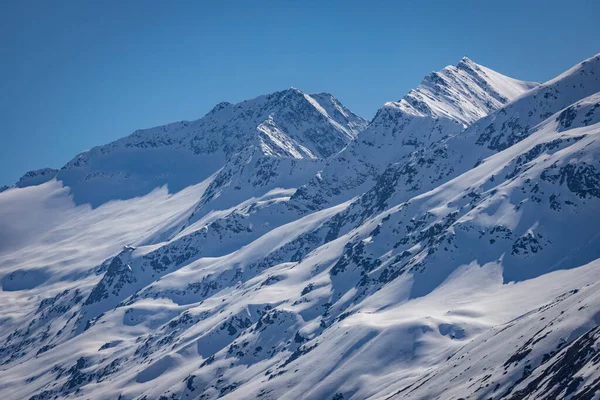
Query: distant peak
point(37, 177)
point(463, 93)
point(291, 92)
point(326, 98)
point(468, 65)
point(293, 89)
point(220, 106)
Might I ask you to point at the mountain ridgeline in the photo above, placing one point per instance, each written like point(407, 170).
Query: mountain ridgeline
point(285, 248)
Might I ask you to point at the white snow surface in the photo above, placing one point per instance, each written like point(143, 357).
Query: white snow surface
point(280, 248)
point(464, 93)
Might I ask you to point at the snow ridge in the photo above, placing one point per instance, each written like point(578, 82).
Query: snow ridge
point(464, 93)
point(280, 248)
point(285, 124)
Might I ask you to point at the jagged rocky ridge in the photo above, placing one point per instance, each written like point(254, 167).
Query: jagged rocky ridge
point(448, 250)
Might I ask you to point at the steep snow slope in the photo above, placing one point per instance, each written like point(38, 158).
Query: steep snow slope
point(464, 93)
point(443, 104)
point(472, 282)
point(428, 167)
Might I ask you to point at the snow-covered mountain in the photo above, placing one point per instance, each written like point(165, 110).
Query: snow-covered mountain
point(280, 248)
point(287, 124)
point(444, 104)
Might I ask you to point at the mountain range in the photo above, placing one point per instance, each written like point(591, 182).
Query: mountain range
point(285, 248)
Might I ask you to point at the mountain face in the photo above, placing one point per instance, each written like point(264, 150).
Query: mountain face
point(443, 105)
point(463, 93)
point(287, 124)
point(281, 248)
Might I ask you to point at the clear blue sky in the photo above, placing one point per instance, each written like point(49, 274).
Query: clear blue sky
point(78, 74)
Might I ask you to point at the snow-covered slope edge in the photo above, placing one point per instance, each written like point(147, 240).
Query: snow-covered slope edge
point(444, 104)
point(288, 124)
point(478, 284)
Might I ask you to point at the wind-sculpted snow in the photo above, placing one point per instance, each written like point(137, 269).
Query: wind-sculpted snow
point(449, 251)
point(287, 124)
point(430, 166)
point(443, 105)
point(515, 206)
point(464, 93)
point(514, 122)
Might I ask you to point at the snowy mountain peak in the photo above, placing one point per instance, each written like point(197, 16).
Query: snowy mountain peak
point(463, 93)
point(283, 124)
point(465, 60)
point(517, 120)
point(422, 261)
point(300, 125)
point(586, 68)
point(36, 177)
point(443, 105)
point(220, 106)
point(466, 63)
point(335, 110)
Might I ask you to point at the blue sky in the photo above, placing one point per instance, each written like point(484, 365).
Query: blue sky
point(78, 74)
